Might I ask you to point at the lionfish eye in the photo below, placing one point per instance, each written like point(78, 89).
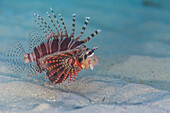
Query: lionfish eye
point(90, 53)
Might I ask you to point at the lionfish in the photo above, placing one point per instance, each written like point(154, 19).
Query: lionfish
point(57, 54)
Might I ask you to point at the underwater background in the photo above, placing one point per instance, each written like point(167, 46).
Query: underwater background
point(134, 50)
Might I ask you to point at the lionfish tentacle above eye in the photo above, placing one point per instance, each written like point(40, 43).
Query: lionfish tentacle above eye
point(59, 54)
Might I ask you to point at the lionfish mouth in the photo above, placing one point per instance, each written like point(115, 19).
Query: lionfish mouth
point(95, 62)
point(90, 62)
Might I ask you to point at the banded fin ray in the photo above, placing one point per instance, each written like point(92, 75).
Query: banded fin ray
point(35, 39)
point(57, 67)
point(49, 31)
point(73, 26)
point(91, 36)
point(62, 22)
point(61, 32)
point(51, 60)
point(83, 28)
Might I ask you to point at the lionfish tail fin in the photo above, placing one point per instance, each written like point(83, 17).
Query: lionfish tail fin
point(91, 36)
point(14, 61)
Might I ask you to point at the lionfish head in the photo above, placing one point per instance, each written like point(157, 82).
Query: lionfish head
point(88, 59)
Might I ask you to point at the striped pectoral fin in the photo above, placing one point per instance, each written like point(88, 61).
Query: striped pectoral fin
point(62, 79)
point(71, 76)
point(76, 71)
point(61, 76)
point(56, 69)
point(50, 64)
point(54, 74)
point(59, 81)
point(64, 76)
point(50, 61)
point(58, 76)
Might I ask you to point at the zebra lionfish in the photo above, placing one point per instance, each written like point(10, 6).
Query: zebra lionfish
point(54, 52)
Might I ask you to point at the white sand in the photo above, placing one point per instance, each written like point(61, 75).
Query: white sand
point(88, 94)
point(140, 69)
point(93, 93)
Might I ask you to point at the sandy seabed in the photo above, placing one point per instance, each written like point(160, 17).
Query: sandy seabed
point(90, 93)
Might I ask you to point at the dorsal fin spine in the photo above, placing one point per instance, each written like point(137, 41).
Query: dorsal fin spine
point(38, 24)
point(73, 26)
point(45, 25)
point(61, 32)
point(91, 36)
point(62, 21)
point(53, 24)
point(83, 28)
